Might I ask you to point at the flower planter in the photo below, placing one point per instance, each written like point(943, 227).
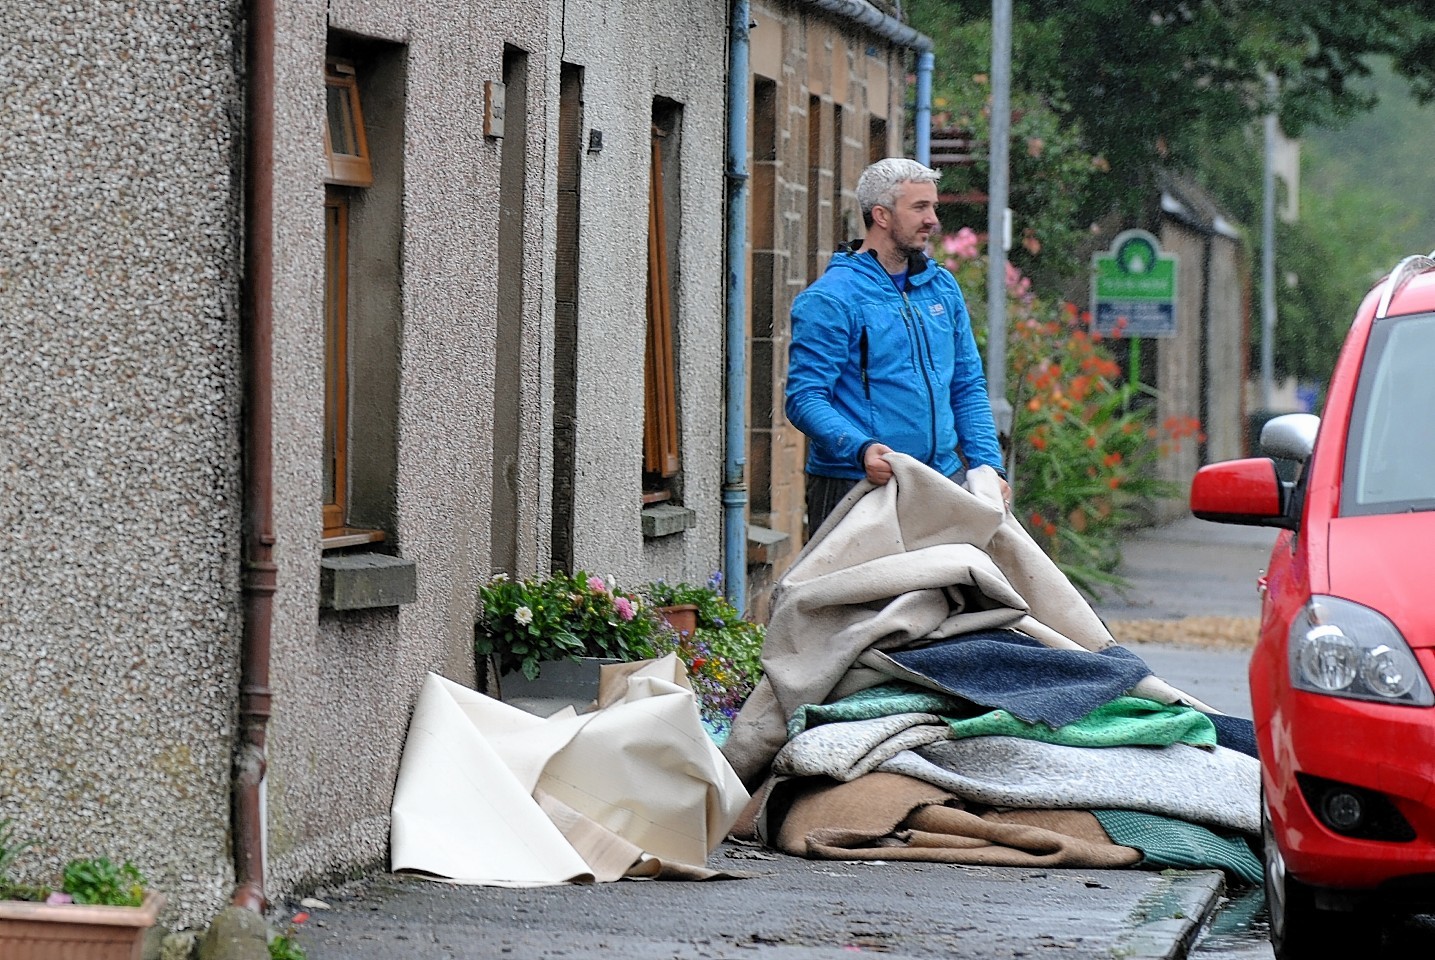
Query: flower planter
point(71, 931)
point(559, 683)
point(683, 617)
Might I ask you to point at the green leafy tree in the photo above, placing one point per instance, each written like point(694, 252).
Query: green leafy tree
point(1145, 83)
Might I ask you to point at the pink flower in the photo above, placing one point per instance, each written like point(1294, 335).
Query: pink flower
point(597, 585)
point(624, 606)
point(964, 243)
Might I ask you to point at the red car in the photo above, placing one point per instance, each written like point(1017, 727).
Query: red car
point(1341, 676)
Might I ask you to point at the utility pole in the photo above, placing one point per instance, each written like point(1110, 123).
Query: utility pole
point(1268, 255)
point(998, 223)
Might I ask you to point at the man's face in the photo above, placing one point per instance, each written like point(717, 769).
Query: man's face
point(913, 216)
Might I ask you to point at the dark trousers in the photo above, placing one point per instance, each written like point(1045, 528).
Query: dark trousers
point(823, 493)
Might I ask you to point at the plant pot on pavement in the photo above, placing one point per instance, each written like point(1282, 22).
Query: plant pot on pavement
point(559, 683)
point(62, 931)
point(682, 617)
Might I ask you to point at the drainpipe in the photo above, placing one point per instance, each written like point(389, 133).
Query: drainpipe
point(259, 570)
point(734, 491)
point(888, 27)
point(926, 60)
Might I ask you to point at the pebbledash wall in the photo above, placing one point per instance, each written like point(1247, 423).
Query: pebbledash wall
point(119, 456)
point(120, 398)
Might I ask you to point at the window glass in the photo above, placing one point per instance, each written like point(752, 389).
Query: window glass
point(1390, 453)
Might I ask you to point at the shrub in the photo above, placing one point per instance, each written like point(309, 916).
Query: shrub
point(522, 623)
point(1083, 449)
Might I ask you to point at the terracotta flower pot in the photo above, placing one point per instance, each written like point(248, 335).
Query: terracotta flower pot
point(61, 931)
point(683, 618)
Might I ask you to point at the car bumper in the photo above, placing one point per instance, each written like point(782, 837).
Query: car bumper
point(1386, 749)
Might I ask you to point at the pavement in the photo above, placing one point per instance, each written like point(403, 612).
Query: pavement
point(788, 908)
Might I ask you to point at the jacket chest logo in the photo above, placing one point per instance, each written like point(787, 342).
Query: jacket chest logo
point(937, 310)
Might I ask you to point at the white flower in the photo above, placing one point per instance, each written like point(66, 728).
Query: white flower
point(523, 615)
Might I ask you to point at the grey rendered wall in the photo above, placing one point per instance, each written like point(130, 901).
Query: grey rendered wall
point(119, 459)
point(344, 682)
point(631, 53)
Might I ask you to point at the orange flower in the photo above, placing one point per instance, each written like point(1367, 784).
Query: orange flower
point(1114, 483)
point(1112, 459)
point(1091, 443)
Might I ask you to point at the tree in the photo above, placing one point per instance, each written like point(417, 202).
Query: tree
point(1144, 82)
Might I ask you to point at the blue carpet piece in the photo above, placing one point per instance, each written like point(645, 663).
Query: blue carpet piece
point(1235, 733)
point(1016, 673)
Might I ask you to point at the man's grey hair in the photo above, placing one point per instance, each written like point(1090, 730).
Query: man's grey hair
point(880, 183)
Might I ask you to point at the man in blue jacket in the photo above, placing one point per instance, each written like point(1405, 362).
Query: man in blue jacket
point(882, 354)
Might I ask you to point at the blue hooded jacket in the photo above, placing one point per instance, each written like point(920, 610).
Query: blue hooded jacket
point(871, 364)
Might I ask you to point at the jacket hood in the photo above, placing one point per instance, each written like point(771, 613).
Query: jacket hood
point(852, 256)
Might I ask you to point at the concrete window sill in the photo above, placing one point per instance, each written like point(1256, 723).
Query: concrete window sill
point(666, 520)
point(364, 581)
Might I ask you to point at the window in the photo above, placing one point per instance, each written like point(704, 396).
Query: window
point(660, 415)
point(363, 224)
point(346, 147)
point(1390, 451)
point(336, 359)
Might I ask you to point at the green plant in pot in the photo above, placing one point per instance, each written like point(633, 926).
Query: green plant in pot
point(523, 623)
point(722, 653)
point(100, 904)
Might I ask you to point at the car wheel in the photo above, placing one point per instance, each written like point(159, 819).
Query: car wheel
point(1299, 928)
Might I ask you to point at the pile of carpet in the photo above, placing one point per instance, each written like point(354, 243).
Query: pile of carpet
point(936, 689)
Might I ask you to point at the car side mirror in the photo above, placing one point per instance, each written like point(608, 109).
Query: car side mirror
point(1247, 492)
point(1290, 436)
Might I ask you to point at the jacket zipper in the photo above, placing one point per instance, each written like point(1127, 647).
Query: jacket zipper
point(918, 333)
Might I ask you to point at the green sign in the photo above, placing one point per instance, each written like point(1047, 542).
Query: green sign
point(1133, 288)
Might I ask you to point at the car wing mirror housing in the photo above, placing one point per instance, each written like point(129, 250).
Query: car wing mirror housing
point(1291, 436)
point(1248, 492)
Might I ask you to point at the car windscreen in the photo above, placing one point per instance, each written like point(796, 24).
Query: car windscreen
point(1390, 449)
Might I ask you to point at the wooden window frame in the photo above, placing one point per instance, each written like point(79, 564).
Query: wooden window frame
point(660, 400)
point(346, 169)
point(336, 356)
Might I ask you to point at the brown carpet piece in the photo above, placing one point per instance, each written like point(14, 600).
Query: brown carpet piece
point(884, 816)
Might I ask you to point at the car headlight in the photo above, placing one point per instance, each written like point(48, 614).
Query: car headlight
point(1343, 649)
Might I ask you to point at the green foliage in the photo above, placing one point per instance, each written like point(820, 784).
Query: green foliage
point(723, 656)
point(1349, 234)
point(560, 617)
point(284, 946)
point(1145, 84)
point(1083, 450)
point(98, 881)
point(1050, 169)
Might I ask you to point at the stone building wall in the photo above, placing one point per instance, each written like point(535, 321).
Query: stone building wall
point(827, 99)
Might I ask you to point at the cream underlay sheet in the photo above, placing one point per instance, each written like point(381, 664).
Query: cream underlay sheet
point(490, 794)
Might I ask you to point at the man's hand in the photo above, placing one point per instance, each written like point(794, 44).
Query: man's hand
point(879, 471)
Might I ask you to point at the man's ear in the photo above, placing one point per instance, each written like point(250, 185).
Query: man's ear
point(881, 217)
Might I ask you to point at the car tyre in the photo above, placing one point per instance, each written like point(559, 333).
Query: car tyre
point(1299, 928)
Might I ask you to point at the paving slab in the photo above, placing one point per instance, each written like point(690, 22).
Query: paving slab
point(792, 909)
